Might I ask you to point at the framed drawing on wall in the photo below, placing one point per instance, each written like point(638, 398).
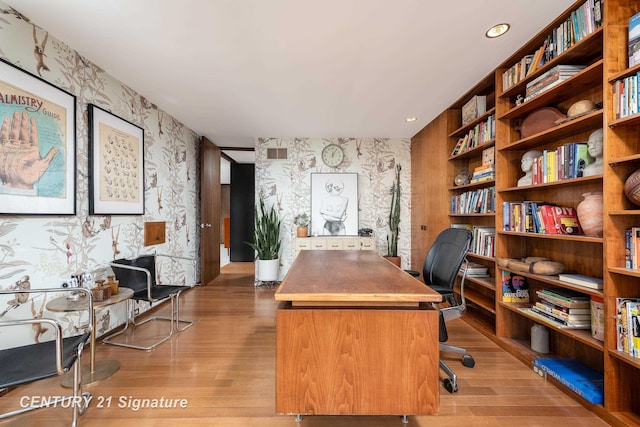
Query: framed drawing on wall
point(116, 165)
point(37, 145)
point(334, 204)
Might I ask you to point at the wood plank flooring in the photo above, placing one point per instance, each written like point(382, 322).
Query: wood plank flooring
point(224, 366)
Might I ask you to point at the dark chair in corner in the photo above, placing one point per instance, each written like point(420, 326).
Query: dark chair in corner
point(439, 272)
point(139, 274)
point(33, 362)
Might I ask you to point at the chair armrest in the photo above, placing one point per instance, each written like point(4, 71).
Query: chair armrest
point(135, 268)
point(57, 329)
point(179, 257)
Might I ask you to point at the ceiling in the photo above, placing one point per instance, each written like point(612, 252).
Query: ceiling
point(236, 70)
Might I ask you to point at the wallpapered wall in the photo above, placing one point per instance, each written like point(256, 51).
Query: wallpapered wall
point(287, 184)
point(43, 251)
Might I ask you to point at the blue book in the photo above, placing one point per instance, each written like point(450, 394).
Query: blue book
point(579, 378)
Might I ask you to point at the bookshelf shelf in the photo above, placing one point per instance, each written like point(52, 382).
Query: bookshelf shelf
point(461, 131)
point(485, 282)
point(580, 82)
point(485, 302)
point(477, 215)
point(552, 185)
point(628, 120)
point(473, 151)
point(583, 336)
point(622, 160)
point(473, 185)
point(626, 358)
point(624, 73)
point(553, 280)
point(566, 237)
point(624, 271)
point(582, 123)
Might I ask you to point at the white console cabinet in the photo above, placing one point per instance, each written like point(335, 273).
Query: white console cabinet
point(346, 243)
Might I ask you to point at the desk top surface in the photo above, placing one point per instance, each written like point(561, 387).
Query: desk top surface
point(63, 304)
point(350, 276)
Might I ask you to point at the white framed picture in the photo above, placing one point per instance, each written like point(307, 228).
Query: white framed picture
point(334, 204)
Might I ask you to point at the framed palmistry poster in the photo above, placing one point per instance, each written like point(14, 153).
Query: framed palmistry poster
point(37, 145)
point(116, 165)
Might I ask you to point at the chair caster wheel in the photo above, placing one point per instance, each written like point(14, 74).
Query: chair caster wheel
point(404, 419)
point(468, 361)
point(450, 386)
point(298, 418)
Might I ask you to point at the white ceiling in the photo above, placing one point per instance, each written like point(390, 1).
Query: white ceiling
point(236, 70)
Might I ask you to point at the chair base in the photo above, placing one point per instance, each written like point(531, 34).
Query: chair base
point(173, 320)
point(451, 383)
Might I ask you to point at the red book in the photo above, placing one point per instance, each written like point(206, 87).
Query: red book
point(547, 218)
point(566, 220)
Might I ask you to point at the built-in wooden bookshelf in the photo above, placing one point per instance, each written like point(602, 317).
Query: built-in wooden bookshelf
point(603, 53)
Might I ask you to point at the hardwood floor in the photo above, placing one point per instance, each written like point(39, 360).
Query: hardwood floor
point(224, 366)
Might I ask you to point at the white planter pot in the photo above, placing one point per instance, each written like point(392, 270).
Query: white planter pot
point(268, 270)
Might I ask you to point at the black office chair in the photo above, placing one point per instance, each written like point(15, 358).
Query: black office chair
point(439, 272)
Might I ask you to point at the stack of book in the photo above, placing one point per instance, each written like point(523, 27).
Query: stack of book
point(482, 173)
point(562, 308)
point(549, 79)
point(475, 269)
point(581, 280)
point(628, 326)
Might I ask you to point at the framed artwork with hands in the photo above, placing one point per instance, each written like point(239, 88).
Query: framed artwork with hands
point(37, 145)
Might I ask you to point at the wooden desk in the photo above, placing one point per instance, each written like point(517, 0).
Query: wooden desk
point(355, 335)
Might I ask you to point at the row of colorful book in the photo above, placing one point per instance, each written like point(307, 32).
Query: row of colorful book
point(484, 241)
point(477, 201)
point(582, 22)
point(626, 99)
point(539, 217)
point(565, 162)
point(628, 325)
point(485, 172)
point(478, 135)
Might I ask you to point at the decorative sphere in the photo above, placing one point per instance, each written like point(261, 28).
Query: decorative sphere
point(632, 188)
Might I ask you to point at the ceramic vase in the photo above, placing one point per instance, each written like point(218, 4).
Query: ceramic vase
point(590, 214)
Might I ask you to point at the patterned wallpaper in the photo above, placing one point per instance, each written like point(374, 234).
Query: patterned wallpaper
point(287, 184)
point(43, 251)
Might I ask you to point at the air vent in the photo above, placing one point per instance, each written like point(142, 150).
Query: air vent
point(276, 153)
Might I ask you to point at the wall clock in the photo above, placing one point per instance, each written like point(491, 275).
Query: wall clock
point(332, 155)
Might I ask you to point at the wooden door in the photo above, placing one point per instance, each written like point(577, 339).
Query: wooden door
point(210, 206)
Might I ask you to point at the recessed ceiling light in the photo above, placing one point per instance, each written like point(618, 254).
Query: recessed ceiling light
point(411, 119)
point(497, 30)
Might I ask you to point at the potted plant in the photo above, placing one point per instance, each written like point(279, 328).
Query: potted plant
point(394, 220)
point(302, 221)
point(266, 243)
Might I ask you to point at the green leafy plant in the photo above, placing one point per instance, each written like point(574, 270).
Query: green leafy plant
point(394, 215)
point(301, 220)
point(266, 233)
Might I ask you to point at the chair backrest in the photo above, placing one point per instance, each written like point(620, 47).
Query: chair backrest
point(445, 257)
point(136, 280)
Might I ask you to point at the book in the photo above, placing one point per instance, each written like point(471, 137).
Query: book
point(633, 328)
point(566, 220)
point(580, 280)
point(547, 295)
point(474, 108)
point(622, 323)
point(561, 315)
point(577, 377)
point(597, 317)
point(627, 248)
point(547, 319)
point(634, 40)
point(488, 155)
point(515, 287)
